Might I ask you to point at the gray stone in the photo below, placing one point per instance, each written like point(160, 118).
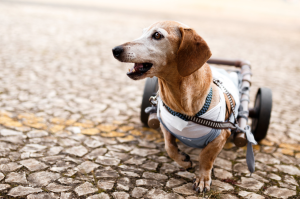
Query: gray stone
point(4, 187)
point(87, 167)
point(130, 174)
point(55, 150)
point(279, 192)
point(121, 156)
point(224, 164)
point(4, 160)
point(58, 169)
point(42, 178)
point(43, 195)
point(99, 196)
point(13, 139)
point(174, 182)
point(123, 184)
point(68, 142)
point(168, 168)
point(160, 194)
point(95, 153)
point(33, 165)
point(144, 143)
point(156, 176)
point(7, 132)
point(19, 178)
point(119, 148)
point(266, 158)
point(66, 195)
point(227, 196)
point(93, 143)
point(250, 195)
point(68, 181)
point(161, 159)
point(106, 173)
point(6, 147)
point(156, 193)
point(77, 151)
point(107, 161)
point(13, 156)
point(264, 167)
point(138, 192)
point(289, 169)
point(274, 176)
point(288, 186)
point(1, 176)
point(106, 184)
point(250, 183)
point(135, 161)
point(285, 159)
point(26, 155)
point(147, 182)
point(240, 168)
point(32, 148)
point(70, 172)
point(37, 134)
point(258, 177)
point(186, 189)
point(23, 191)
point(222, 174)
point(228, 155)
point(75, 160)
point(120, 195)
point(54, 187)
point(85, 189)
point(132, 168)
point(221, 186)
point(290, 180)
point(12, 166)
point(186, 174)
point(144, 152)
point(52, 159)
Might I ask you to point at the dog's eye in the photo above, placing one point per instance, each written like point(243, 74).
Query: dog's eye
point(157, 35)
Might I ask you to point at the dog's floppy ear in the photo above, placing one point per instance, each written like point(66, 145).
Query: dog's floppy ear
point(193, 52)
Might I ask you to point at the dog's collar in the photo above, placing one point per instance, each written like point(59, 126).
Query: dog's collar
point(201, 112)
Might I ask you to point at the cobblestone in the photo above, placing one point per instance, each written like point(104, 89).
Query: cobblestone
point(70, 117)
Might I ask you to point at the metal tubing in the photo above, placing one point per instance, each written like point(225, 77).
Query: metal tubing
point(229, 62)
point(240, 139)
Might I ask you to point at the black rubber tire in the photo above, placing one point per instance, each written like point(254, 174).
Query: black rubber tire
point(151, 87)
point(263, 108)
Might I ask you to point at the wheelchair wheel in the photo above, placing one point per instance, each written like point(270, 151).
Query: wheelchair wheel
point(261, 113)
point(151, 87)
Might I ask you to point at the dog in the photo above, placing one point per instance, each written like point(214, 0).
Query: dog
point(177, 56)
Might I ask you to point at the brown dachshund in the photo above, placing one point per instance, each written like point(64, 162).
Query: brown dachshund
point(177, 55)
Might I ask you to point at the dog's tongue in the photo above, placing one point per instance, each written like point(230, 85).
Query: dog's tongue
point(137, 67)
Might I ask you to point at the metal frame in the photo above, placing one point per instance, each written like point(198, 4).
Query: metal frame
point(240, 139)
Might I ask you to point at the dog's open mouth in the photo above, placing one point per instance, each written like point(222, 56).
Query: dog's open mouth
point(139, 69)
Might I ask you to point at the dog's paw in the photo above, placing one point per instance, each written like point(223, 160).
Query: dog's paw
point(202, 182)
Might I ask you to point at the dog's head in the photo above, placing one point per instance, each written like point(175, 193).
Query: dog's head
point(165, 48)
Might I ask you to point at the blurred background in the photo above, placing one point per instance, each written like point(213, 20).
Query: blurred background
point(56, 59)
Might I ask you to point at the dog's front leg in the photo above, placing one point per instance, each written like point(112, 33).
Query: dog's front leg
point(206, 160)
point(172, 149)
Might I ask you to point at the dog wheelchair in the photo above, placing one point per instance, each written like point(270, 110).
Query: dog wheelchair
point(260, 114)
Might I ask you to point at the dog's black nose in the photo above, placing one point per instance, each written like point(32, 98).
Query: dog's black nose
point(117, 51)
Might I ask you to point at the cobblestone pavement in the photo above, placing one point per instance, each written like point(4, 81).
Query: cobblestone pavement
point(69, 115)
